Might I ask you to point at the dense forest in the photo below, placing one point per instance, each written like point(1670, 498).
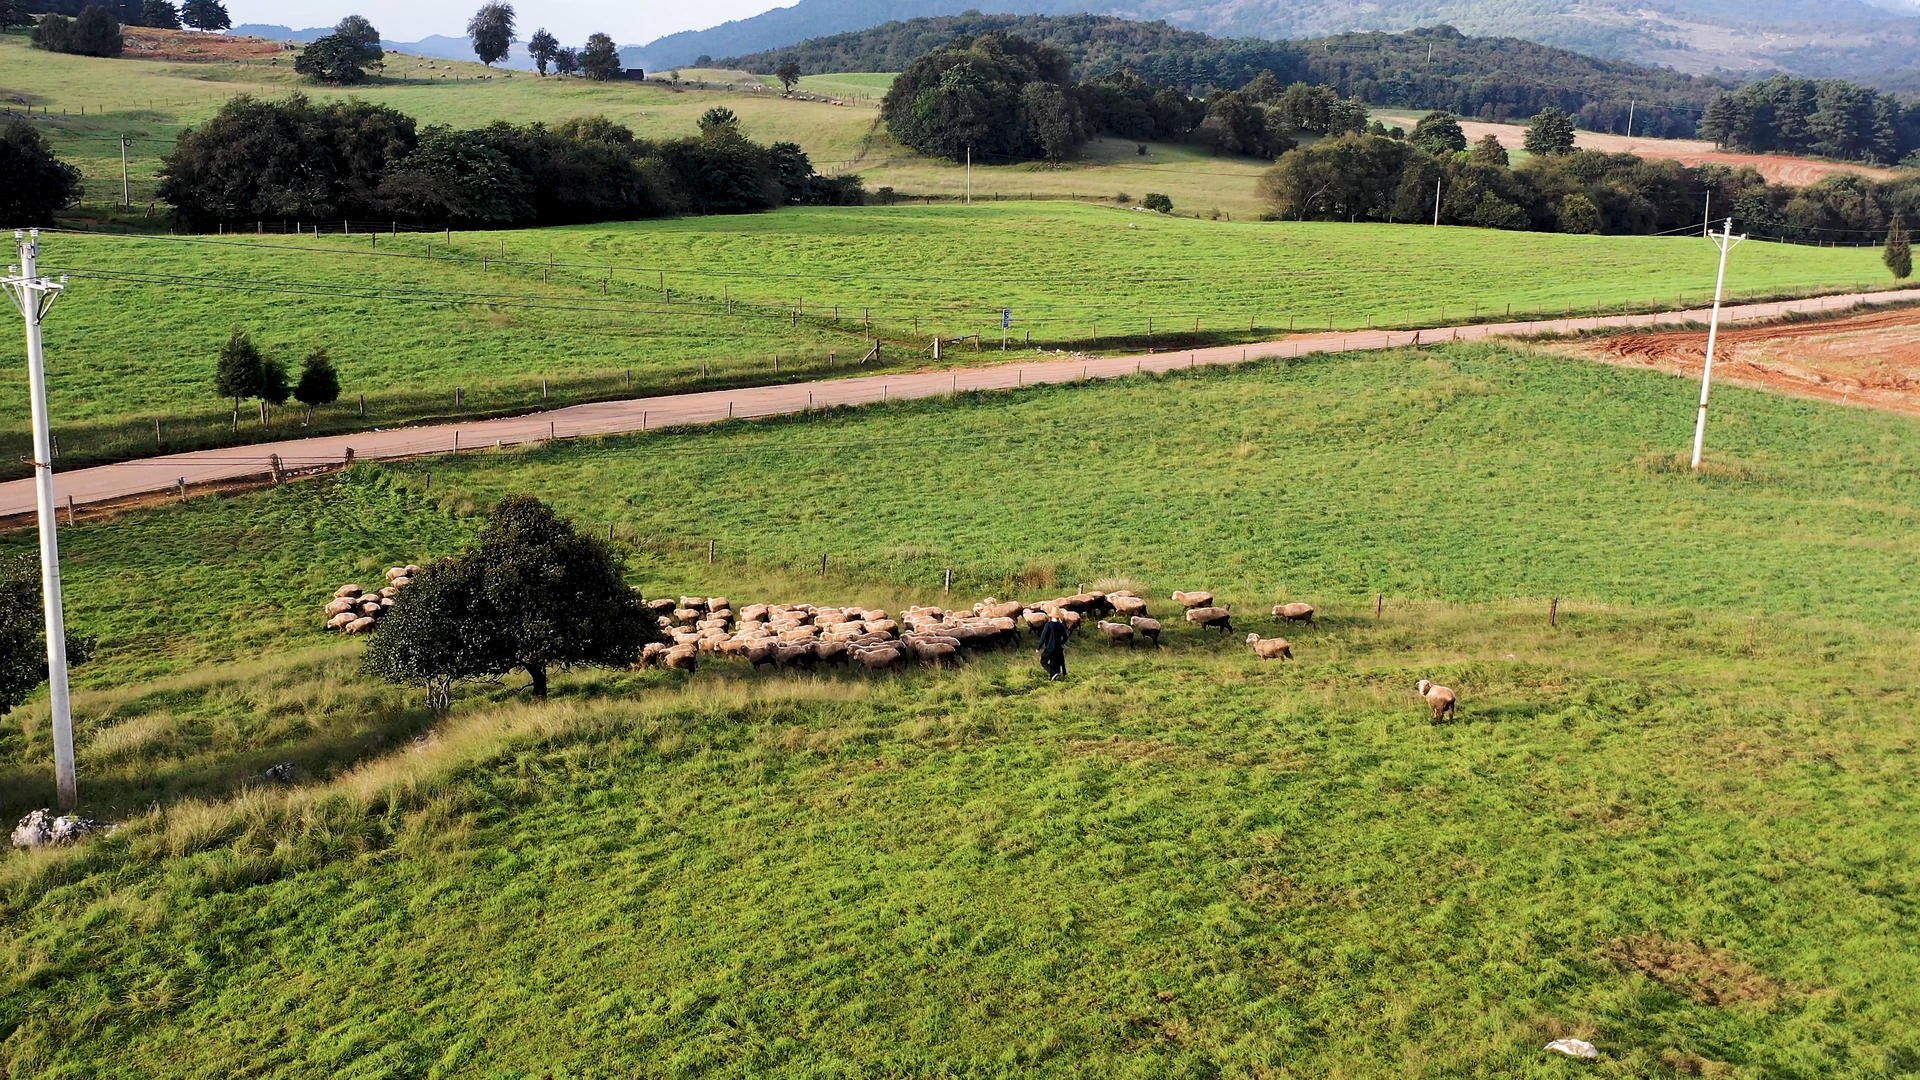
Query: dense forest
point(295, 159)
point(1375, 178)
point(1435, 68)
point(1824, 117)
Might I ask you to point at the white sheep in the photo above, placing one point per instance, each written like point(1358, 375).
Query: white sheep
point(1293, 612)
point(1192, 600)
point(1218, 617)
point(1117, 632)
point(1277, 648)
point(1439, 698)
point(1147, 628)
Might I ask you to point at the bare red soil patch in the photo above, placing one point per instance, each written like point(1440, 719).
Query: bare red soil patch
point(148, 43)
point(1871, 360)
point(1778, 168)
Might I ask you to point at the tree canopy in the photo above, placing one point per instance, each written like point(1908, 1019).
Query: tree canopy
point(542, 48)
point(207, 15)
point(1551, 132)
point(533, 594)
point(491, 31)
point(94, 32)
point(600, 60)
point(970, 98)
point(341, 58)
point(34, 184)
point(23, 632)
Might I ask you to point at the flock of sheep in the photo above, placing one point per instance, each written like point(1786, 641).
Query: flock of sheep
point(804, 636)
point(354, 610)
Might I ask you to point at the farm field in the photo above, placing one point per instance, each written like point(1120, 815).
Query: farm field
point(1642, 830)
point(1868, 360)
point(1076, 277)
point(1778, 168)
point(152, 101)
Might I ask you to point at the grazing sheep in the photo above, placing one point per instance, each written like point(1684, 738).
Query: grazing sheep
point(650, 654)
point(361, 625)
point(662, 606)
point(879, 659)
point(831, 652)
point(1439, 698)
point(681, 658)
point(1218, 618)
point(1127, 605)
point(1117, 632)
point(1147, 628)
point(992, 610)
point(762, 653)
point(348, 591)
point(341, 619)
point(1191, 600)
point(1293, 612)
point(339, 604)
point(1273, 648)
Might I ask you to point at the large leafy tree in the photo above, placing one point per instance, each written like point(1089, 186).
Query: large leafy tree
point(967, 98)
point(276, 160)
point(491, 30)
point(95, 32)
point(343, 56)
point(1551, 132)
point(601, 59)
point(789, 75)
point(23, 633)
point(534, 594)
point(34, 184)
point(543, 48)
point(1439, 133)
point(160, 14)
point(207, 15)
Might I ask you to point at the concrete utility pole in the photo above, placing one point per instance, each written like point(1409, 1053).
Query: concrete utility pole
point(1630, 104)
point(1706, 217)
point(126, 189)
point(969, 176)
point(1726, 243)
point(34, 296)
point(1436, 203)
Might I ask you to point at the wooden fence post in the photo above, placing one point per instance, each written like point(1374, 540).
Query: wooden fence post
point(713, 547)
point(70, 523)
point(273, 463)
point(1553, 613)
point(949, 587)
point(1379, 604)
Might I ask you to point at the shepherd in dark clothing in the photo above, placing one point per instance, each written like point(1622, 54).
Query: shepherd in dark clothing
point(1053, 647)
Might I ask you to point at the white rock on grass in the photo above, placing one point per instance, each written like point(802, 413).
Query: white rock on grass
point(1579, 1048)
point(41, 829)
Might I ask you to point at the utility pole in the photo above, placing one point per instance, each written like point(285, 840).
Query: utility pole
point(34, 296)
point(126, 189)
point(1630, 104)
point(1436, 203)
point(1706, 217)
point(969, 176)
point(1726, 243)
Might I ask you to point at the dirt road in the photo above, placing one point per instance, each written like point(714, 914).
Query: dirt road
point(107, 483)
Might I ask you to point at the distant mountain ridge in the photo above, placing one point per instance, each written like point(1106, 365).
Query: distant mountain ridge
point(1872, 42)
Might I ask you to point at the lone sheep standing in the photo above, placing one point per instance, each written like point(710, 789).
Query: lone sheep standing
point(1439, 698)
point(1274, 648)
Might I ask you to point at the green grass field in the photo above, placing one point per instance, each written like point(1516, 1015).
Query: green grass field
point(1643, 831)
point(151, 101)
point(126, 352)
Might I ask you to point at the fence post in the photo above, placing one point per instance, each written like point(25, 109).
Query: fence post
point(70, 522)
point(273, 463)
point(156, 433)
point(1379, 604)
point(363, 405)
point(949, 587)
point(1553, 613)
point(823, 566)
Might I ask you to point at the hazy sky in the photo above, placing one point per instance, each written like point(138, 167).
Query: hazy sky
point(633, 22)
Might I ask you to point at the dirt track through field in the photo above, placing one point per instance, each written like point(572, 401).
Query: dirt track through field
point(131, 479)
point(1869, 360)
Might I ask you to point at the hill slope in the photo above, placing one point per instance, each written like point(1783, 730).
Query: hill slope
point(1495, 78)
point(1844, 37)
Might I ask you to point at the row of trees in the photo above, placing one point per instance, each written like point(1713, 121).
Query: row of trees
point(1004, 98)
point(1825, 117)
point(207, 15)
point(1371, 177)
point(244, 372)
point(295, 159)
point(491, 31)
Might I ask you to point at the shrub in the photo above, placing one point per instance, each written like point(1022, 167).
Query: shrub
point(33, 183)
point(1158, 203)
point(1123, 198)
point(96, 32)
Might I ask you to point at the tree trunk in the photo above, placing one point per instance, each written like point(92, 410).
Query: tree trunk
point(539, 673)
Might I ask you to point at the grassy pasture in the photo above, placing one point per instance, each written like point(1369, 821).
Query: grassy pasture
point(127, 353)
point(1642, 831)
